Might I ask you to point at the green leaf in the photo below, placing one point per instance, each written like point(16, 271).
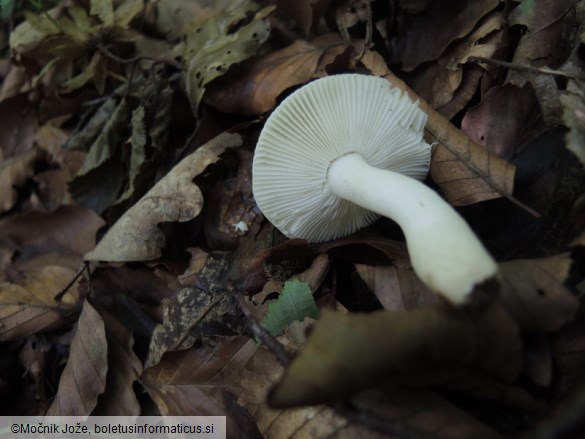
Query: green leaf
point(7, 8)
point(104, 9)
point(295, 303)
point(109, 139)
point(138, 155)
point(83, 138)
point(127, 11)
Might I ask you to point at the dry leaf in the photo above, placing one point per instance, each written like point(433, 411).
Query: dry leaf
point(396, 288)
point(13, 173)
point(31, 306)
point(431, 32)
point(17, 126)
point(180, 313)
point(43, 258)
point(136, 236)
point(465, 172)
point(506, 120)
point(124, 368)
point(253, 87)
point(204, 381)
point(84, 377)
point(306, 13)
point(534, 294)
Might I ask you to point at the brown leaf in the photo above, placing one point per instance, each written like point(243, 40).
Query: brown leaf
point(84, 377)
point(505, 120)
point(124, 368)
point(278, 263)
point(43, 256)
point(545, 43)
point(368, 248)
point(423, 412)
point(396, 288)
point(181, 312)
point(71, 229)
point(465, 172)
point(204, 381)
point(30, 305)
point(13, 173)
point(347, 353)
point(319, 422)
point(448, 84)
point(254, 86)
point(534, 294)
point(17, 125)
point(431, 32)
point(306, 13)
point(136, 236)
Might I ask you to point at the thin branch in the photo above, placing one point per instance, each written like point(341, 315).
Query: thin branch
point(61, 293)
point(283, 357)
point(515, 66)
point(135, 59)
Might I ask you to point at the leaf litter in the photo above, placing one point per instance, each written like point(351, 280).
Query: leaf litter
point(126, 143)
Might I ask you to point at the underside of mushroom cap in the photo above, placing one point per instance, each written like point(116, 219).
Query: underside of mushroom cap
point(318, 123)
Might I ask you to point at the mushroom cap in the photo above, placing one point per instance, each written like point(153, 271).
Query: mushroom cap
point(318, 123)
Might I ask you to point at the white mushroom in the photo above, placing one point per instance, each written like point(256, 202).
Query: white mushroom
point(344, 149)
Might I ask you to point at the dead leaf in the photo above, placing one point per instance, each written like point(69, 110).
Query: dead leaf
point(534, 294)
point(204, 381)
point(181, 312)
point(17, 126)
point(449, 84)
point(278, 263)
point(347, 353)
point(29, 306)
point(505, 120)
point(545, 42)
point(369, 248)
point(319, 422)
point(70, 230)
point(431, 32)
point(45, 254)
point(465, 172)
point(306, 13)
point(135, 236)
point(84, 377)
point(254, 86)
point(124, 369)
point(214, 45)
point(574, 119)
point(13, 173)
point(396, 288)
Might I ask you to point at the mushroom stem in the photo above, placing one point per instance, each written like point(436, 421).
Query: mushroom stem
point(444, 252)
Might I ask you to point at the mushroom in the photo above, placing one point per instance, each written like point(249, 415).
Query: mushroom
point(341, 151)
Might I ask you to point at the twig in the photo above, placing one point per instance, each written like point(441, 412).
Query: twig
point(515, 66)
point(61, 293)
point(135, 59)
point(283, 357)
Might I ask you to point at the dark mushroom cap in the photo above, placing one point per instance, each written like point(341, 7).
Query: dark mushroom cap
point(318, 123)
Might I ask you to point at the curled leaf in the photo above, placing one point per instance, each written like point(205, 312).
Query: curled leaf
point(136, 236)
